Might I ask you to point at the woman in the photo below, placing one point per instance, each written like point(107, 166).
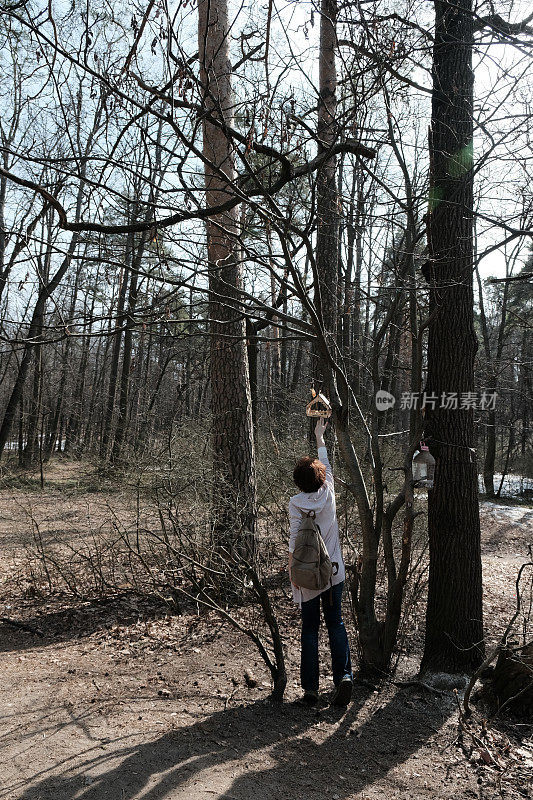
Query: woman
point(314, 478)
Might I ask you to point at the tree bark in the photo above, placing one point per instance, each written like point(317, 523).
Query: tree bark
point(454, 625)
point(512, 679)
point(125, 375)
point(115, 355)
point(493, 367)
point(65, 366)
point(234, 493)
point(327, 210)
point(34, 406)
point(76, 404)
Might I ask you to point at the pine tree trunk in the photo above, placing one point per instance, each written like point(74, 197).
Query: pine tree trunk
point(327, 202)
point(363, 583)
point(454, 626)
point(525, 384)
point(125, 377)
point(21, 429)
point(115, 358)
point(489, 464)
point(327, 209)
point(65, 366)
point(349, 321)
point(31, 449)
point(234, 494)
point(76, 403)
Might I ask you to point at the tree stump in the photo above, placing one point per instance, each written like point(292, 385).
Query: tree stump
point(512, 679)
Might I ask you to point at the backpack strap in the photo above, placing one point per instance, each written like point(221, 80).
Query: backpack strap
point(335, 565)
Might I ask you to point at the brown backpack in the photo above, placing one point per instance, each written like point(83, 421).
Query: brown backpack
point(311, 565)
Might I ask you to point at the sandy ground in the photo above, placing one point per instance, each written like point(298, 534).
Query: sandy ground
point(120, 701)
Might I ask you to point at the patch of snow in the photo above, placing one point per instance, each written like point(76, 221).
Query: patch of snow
point(512, 485)
point(505, 512)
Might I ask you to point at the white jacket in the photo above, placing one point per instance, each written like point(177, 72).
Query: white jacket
point(323, 504)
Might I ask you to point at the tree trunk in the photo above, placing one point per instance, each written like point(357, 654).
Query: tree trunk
point(512, 680)
point(34, 408)
point(125, 377)
point(115, 357)
point(525, 384)
point(44, 293)
point(252, 348)
point(454, 625)
point(489, 464)
point(327, 211)
point(34, 405)
point(65, 366)
point(21, 429)
point(234, 493)
point(363, 583)
point(326, 279)
point(73, 425)
point(352, 301)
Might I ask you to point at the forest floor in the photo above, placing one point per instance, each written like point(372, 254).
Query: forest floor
point(117, 700)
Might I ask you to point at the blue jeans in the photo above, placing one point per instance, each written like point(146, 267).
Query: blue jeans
point(338, 640)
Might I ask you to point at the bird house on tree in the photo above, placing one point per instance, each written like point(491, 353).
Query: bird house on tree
point(319, 406)
point(423, 467)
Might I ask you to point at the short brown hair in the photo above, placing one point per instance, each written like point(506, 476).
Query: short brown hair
point(309, 474)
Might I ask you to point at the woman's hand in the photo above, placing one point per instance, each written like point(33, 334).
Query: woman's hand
point(320, 429)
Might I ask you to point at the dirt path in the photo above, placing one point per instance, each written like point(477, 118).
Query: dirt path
point(108, 705)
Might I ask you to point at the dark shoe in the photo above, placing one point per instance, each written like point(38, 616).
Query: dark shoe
point(310, 698)
point(343, 692)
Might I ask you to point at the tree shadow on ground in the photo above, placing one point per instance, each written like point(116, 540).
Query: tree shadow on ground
point(277, 750)
point(78, 619)
point(507, 533)
point(75, 620)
